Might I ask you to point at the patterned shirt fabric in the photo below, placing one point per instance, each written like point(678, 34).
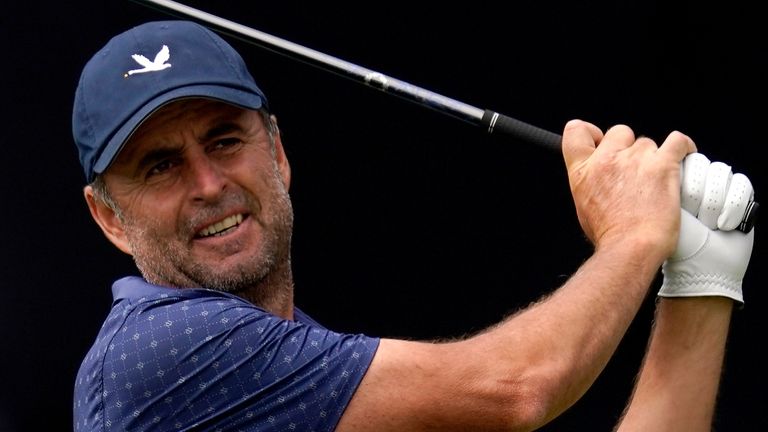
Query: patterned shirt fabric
point(171, 359)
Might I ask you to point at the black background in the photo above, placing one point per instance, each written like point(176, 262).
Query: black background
point(409, 222)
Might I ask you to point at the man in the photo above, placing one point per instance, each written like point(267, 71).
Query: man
point(187, 172)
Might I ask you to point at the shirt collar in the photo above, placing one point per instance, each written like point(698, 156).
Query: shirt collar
point(135, 287)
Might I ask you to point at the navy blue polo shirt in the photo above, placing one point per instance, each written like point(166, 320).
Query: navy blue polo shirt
point(179, 359)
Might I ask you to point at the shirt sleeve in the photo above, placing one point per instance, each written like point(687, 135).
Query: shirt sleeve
point(216, 363)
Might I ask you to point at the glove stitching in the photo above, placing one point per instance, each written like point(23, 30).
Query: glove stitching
point(697, 282)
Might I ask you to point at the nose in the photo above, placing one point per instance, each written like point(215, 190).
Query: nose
point(206, 179)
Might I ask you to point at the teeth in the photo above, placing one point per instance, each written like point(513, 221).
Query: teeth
point(220, 226)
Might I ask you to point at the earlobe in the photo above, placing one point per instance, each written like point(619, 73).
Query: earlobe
point(107, 220)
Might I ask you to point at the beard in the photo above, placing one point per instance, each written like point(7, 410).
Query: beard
point(262, 274)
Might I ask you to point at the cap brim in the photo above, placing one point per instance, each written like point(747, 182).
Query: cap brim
point(238, 97)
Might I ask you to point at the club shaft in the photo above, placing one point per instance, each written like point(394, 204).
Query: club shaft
point(491, 121)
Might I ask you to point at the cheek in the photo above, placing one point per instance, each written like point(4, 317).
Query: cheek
point(269, 182)
point(158, 214)
point(257, 172)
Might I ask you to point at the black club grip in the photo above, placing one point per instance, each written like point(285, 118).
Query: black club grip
point(499, 123)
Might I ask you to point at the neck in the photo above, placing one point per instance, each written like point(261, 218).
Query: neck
point(274, 293)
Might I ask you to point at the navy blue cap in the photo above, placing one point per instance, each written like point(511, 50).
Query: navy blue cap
point(141, 70)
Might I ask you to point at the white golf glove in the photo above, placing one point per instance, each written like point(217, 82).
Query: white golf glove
point(712, 255)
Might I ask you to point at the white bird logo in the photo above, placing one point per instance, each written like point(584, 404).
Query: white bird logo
point(158, 64)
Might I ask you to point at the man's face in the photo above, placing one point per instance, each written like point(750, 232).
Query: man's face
point(203, 193)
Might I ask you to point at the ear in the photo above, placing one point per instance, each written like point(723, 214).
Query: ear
point(282, 160)
point(107, 220)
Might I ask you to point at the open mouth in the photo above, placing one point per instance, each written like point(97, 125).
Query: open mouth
point(222, 227)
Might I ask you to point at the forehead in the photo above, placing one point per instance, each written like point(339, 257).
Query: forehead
point(197, 116)
point(190, 113)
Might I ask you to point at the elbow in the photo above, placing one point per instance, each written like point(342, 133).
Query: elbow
point(527, 405)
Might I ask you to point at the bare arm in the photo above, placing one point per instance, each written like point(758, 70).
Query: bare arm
point(526, 370)
point(679, 379)
point(515, 376)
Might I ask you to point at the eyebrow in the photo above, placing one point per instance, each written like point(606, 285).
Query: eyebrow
point(158, 154)
point(220, 129)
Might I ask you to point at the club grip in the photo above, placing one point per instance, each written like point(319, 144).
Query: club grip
point(499, 123)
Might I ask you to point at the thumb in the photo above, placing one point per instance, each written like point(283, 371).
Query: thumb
point(580, 139)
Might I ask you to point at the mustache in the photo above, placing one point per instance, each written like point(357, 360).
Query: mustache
point(210, 211)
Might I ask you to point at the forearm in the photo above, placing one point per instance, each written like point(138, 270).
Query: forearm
point(556, 349)
point(678, 383)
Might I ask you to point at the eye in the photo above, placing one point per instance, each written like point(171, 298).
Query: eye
point(161, 167)
point(225, 143)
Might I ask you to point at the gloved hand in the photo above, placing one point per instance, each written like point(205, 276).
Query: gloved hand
point(711, 257)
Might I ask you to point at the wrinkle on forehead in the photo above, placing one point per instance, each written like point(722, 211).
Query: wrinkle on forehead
point(176, 111)
point(189, 113)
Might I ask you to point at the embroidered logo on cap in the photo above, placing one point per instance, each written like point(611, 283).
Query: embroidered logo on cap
point(158, 64)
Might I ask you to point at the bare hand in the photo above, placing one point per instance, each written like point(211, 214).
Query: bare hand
point(625, 188)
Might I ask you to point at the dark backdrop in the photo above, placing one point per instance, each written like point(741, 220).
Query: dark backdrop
point(408, 222)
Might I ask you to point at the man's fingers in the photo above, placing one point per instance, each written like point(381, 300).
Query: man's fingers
point(617, 138)
point(678, 145)
point(740, 193)
point(579, 141)
point(712, 202)
point(694, 172)
point(713, 193)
